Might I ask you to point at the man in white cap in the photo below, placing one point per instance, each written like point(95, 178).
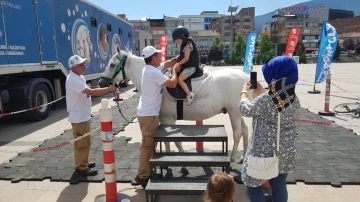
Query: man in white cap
point(152, 83)
point(78, 102)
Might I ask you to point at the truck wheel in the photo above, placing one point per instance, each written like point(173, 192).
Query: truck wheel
point(40, 95)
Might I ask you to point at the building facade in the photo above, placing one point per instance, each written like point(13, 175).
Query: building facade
point(142, 35)
point(327, 14)
point(141, 40)
point(310, 29)
point(200, 22)
point(203, 40)
point(171, 23)
point(228, 26)
point(346, 25)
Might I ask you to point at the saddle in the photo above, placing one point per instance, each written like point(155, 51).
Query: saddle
point(178, 92)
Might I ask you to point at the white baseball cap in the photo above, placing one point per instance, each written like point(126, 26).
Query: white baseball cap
point(75, 60)
point(149, 51)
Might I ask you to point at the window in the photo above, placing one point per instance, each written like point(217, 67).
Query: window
point(120, 31)
point(108, 26)
point(145, 42)
point(129, 34)
point(93, 22)
point(247, 20)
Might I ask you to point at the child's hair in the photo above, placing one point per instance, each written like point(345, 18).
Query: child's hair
point(220, 188)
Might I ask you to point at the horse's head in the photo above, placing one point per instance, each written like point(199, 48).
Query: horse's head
point(122, 66)
point(115, 70)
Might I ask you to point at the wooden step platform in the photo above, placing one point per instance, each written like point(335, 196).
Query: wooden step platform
point(191, 133)
point(191, 161)
point(186, 133)
point(175, 186)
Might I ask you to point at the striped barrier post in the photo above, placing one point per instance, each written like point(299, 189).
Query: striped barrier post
point(107, 137)
point(200, 145)
point(117, 95)
point(327, 111)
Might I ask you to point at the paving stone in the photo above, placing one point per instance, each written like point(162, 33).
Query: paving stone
point(327, 154)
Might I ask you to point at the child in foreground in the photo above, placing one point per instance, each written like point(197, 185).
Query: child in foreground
point(220, 188)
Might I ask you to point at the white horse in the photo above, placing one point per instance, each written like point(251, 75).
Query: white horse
point(216, 92)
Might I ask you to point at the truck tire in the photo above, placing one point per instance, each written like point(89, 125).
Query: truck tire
point(40, 95)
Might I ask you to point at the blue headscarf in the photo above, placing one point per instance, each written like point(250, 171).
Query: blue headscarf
point(280, 67)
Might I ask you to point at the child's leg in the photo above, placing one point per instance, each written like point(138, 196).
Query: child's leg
point(181, 82)
point(183, 76)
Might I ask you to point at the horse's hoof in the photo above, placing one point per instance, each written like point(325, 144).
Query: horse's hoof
point(183, 171)
point(241, 161)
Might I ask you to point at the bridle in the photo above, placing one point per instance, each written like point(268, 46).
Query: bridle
point(119, 68)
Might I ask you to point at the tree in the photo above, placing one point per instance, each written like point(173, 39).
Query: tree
point(286, 36)
point(337, 52)
point(300, 49)
point(215, 54)
point(349, 44)
point(227, 59)
point(239, 49)
point(216, 41)
point(266, 51)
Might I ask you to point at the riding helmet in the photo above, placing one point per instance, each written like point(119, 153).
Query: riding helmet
point(180, 32)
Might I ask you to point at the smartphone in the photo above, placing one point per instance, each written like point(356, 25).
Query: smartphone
point(253, 80)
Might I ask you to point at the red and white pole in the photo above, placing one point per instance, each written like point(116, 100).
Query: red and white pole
point(199, 145)
point(117, 95)
point(107, 137)
point(327, 111)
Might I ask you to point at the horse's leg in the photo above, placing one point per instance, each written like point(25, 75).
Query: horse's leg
point(177, 144)
point(236, 124)
point(167, 121)
point(245, 136)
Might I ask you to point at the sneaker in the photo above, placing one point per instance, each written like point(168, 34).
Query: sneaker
point(190, 98)
point(91, 164)
point(138, 181)
point(87, 172)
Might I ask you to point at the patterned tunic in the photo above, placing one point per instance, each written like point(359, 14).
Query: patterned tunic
point(263, 141)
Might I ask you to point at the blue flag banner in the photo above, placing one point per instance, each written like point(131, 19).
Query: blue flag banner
point(249, 52)
point(327, 48)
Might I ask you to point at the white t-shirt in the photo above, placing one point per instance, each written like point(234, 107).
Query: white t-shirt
point(78, 103)
point(151, 91)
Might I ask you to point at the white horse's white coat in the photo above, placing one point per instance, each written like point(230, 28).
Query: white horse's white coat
point(225, 94)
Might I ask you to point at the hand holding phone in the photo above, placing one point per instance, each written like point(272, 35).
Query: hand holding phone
point(253, 80)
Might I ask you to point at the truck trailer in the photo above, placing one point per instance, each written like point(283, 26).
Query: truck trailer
point(37, 37)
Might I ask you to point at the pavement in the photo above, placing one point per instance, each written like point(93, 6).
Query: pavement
point(16, 139)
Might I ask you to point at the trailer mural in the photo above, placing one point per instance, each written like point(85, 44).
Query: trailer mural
point(94, 37)
point(37, 38)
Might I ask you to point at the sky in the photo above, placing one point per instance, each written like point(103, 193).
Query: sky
point(136, 9)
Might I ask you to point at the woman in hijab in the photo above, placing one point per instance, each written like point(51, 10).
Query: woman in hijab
point(281, 74)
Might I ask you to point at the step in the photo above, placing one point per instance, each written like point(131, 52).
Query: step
point(191, 133)
point(176, 186)
point(190, 160)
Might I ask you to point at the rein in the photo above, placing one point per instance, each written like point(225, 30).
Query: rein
point(120, 68)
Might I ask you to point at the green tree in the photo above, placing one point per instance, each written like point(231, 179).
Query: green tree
point(286, 36)
point(239, 49)
point(266, 51)
point(216, 41)
point(227, 59)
